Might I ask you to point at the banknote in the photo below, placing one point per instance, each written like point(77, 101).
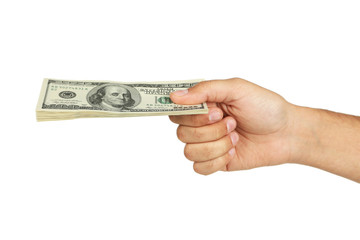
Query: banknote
point(70, 99)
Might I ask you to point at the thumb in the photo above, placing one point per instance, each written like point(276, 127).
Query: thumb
point(209, 91)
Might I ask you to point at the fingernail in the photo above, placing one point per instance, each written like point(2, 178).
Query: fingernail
point(232, 152)
point(180, 93)
point(214, 116)
point(234, 138)
point(231, 124)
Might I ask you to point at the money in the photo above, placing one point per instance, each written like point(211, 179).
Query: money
point(68, 99)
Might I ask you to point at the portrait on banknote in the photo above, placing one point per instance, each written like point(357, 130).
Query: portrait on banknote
point(114, 97)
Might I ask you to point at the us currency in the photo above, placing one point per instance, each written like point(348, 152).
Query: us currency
point(68, 99)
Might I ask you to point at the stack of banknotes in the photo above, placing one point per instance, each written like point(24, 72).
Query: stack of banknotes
point(67, 99)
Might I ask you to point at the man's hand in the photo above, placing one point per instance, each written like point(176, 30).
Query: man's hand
point(247, 126)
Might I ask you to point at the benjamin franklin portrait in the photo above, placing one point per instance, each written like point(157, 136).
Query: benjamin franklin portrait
point(114, 97)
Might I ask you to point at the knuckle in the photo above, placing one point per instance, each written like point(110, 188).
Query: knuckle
point(236, 79)
point(198, 134)
point(202, 85)
point(206, 86)
point(207, 151)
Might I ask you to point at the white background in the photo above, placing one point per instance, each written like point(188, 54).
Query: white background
point(128, 178)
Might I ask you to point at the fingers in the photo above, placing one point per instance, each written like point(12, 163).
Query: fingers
point(206, 133)
point(201, 152)
point(210, 139)
point(215, 114)
point(210, 146)
point(218, 164)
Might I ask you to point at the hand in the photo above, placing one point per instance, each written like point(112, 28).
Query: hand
point(247, 126)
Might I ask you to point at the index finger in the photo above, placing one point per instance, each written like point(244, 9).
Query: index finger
point(215, 114)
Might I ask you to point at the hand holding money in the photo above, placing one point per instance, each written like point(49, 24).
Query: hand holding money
point(245, 127)
point(63, 99)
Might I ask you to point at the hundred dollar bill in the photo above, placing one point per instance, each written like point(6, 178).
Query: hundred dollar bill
point(67, 99)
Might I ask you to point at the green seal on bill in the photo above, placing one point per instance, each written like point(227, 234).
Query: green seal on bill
point(164, 100)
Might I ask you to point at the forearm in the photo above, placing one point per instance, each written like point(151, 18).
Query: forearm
point(327, 140)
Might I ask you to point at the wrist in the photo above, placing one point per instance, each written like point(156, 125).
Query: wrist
point(305, 142)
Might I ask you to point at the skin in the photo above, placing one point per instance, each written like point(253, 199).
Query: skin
point(249, 126)
point(116, 96)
